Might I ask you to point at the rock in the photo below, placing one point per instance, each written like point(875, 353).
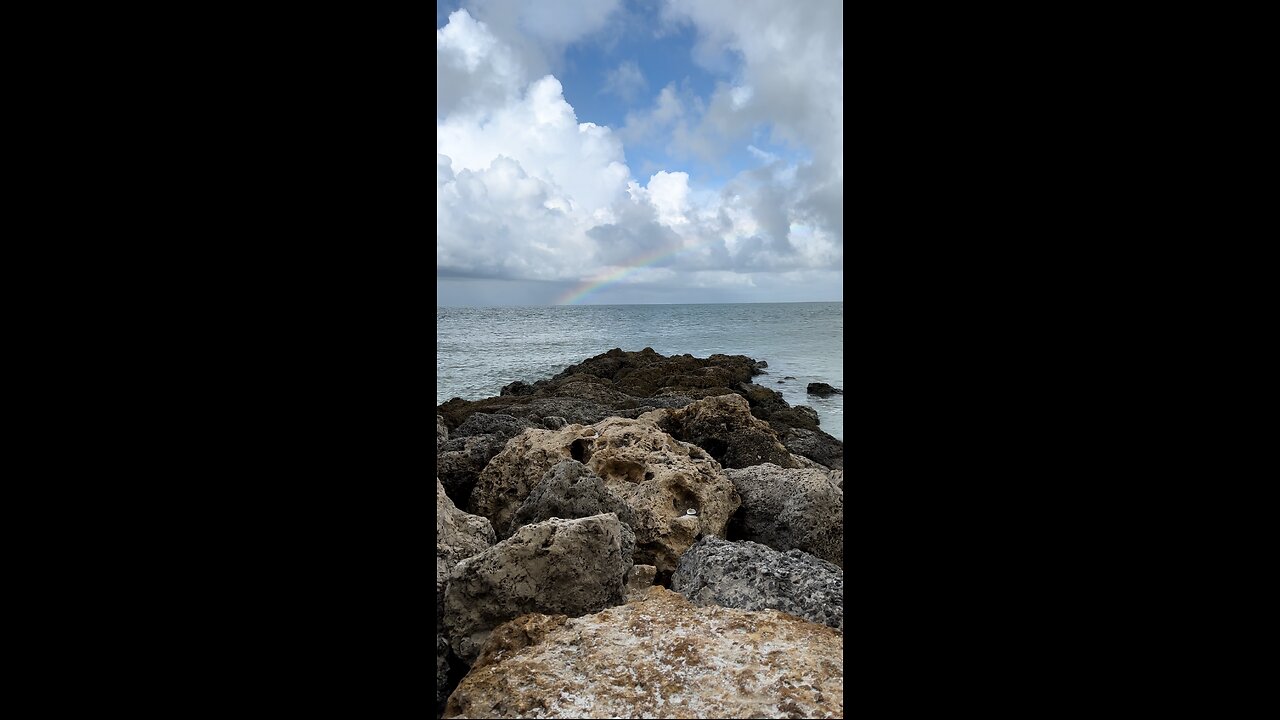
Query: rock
point(804, 462)
point(639, 580)
point(571, 490)
point(822, 389)
point(837, 477)
point(458, 536)
point(504, 426)
point(752, 576)
point(516, 388)
point(788, 377)
point(780, 382)
point(553, 422)
point(660, 657)
point(725, 428)
point(790, 509)
point(570, 567)
point(661, 478)
point(658, 477)
point(461, 462)
point(762, 364)
point(764, 401)
point(806, 411)
point(442, 433)
point(816, 445)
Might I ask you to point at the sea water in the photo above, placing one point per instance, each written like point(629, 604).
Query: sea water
point(478, 350)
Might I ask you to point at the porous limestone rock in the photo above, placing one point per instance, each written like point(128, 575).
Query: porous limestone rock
point(789, 509)
point(570, 567)
point(442, 433)
point(660, 657)
point(658, 477)
point(724, 426)
point(571, 490)
point(458, 536)
point(751, 576)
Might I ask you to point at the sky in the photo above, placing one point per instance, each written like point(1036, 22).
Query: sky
point(639, 151)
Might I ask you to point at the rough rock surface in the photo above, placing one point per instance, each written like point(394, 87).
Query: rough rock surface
point(461, 462)
point(504, 426)
point(442, 433)
point(815, 445)
point(639, 580)
point(470, 447)
point(570, 567)
point(752, 576)
point(822, 389)
point(661, 657)
point(788, 509)
point(458, 536)
point(571, 490)
point(659, 478)
point(837, 477)
point(724, 427)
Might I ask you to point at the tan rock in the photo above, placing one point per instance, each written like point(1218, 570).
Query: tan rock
point(661, 657)
point(659, 477)
point(725, 427)
point(639, 580)
point(459, 535)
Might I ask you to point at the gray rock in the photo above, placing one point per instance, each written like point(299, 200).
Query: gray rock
point(553, 422)
point(442, 433)
point(822, 389)
point(461, 462)
point(458, 536)
point(837, 477)
point(556, 567)
point(806, 410)
point(504, 426)
point(789, 509)
point(751, 576)
point(570, 490)
point(517, 388)
point(817, 445)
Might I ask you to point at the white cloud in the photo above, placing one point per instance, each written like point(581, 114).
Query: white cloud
point(626, 81)
point(525, 191)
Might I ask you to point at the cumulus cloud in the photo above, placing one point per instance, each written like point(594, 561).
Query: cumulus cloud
point(526, 191)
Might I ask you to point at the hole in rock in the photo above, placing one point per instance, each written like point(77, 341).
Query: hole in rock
point(716, 447)
point(580, 449)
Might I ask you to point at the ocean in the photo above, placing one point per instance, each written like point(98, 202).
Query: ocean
point(478, 350)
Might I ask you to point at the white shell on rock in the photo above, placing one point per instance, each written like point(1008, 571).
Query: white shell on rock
point(690, 511)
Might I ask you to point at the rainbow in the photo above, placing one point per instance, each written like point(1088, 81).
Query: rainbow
point(629, 268)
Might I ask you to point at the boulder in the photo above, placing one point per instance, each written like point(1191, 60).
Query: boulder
point(458, 536)
point(570, 490)
point(658, 477)
point(817, 445)
point(837, 477)
point(502, 425)
point(553, 422)
point(724, 426)
point(787, 509)
point(751, 576)
point(570, 567)
point(660, 657)
point(442, 433)
point(822, 389)
point(516, 388)
point(462, 460)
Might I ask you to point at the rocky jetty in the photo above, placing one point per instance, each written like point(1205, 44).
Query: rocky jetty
point(659, 657)
point(629, 384)
point(569, 509)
